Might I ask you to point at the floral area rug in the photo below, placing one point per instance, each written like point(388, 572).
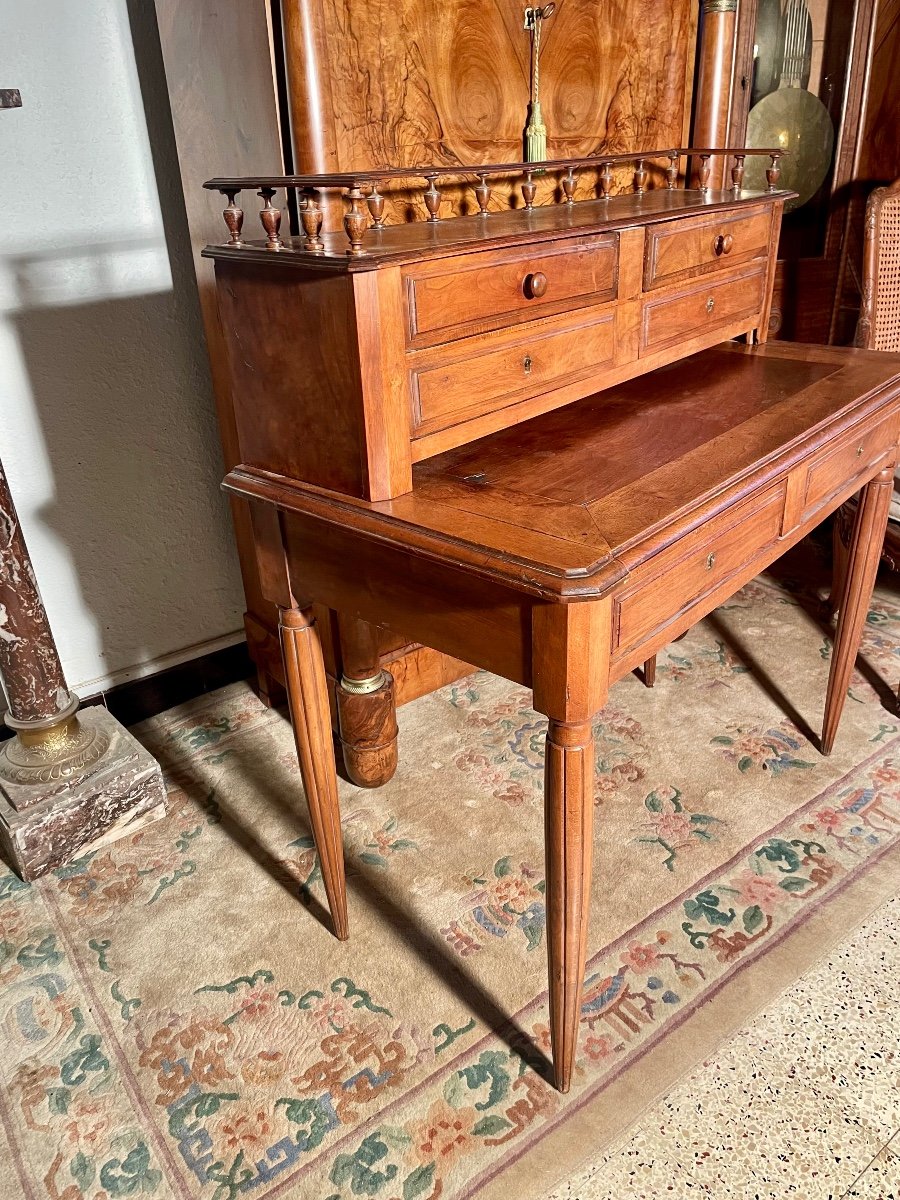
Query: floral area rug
point(177, 1020)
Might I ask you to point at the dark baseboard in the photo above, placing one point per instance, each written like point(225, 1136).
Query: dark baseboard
point(141, 698)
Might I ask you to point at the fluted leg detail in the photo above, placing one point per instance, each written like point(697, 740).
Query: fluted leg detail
point(311, 720)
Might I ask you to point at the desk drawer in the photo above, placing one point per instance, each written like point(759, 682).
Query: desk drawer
point(696, 565)
point(690, 312)
point(492, 375)
point(488, 290)
point(686, 248)
point(848, 461)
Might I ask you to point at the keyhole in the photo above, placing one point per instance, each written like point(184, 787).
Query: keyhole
point(526, 363)
point(710, 304)
point(710, 562)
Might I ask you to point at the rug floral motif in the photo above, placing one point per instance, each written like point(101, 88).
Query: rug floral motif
point(178, 1022)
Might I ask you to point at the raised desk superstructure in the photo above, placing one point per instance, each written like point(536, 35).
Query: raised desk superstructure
point(427, 451)
point(350, 367)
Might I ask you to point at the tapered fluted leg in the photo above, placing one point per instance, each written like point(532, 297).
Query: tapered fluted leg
point(650, 672)
point(308, 698)
point(569, 810)
point(862, 567)
point(839, 564)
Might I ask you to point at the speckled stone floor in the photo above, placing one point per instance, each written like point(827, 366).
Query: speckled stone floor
point(803, 1102)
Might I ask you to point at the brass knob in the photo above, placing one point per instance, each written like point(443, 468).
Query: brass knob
point(723, 244)
point(526, 363)
point(535, 285)
point(710, 304)
point(710, 562)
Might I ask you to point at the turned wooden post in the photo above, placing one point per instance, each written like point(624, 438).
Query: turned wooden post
point(432, 198)
point(606, 180)
point(714, 80)
point(365, 703)
point(482, 195)
point(529, 189)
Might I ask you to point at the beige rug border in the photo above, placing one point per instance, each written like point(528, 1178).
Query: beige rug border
point(590, 1132)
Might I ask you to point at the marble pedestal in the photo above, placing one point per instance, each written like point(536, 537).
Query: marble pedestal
point(43, 825)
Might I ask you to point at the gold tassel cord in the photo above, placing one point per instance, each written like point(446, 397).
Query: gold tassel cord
point(536, 130)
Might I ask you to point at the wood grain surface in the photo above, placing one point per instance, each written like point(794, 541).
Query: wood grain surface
point(448, 82)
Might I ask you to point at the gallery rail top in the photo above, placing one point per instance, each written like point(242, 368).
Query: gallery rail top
point(363, 190)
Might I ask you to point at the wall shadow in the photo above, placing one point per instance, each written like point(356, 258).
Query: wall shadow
point(121, 391)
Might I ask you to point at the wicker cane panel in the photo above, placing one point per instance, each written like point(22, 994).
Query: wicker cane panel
point(887, 280)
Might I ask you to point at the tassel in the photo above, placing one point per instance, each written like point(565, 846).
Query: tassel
point(536, 130)
point(535, 135)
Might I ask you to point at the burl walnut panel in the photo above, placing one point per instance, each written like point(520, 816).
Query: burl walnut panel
point(447, 82)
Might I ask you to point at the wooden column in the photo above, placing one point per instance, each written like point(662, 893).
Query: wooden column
point(715, 75)
point(65, 780)
point(365, 702)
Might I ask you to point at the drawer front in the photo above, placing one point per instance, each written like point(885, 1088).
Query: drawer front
point(489, 290)
point(686, 248)
point(848, 461)
point(692, 312)
point(696, 565)
point(490, 378)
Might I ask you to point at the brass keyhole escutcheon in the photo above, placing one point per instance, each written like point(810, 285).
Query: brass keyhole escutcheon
point(526, 363)
point(859, 451)
point(535, 285)
point(710, 304)
point(710, 561)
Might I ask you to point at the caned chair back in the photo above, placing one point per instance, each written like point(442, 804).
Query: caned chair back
point(879, 322)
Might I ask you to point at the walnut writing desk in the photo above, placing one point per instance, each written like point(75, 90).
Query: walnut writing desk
point(357, 353)
point(549, 532)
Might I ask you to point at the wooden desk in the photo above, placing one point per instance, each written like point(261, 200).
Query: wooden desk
point(565, 551)
point(352, 361)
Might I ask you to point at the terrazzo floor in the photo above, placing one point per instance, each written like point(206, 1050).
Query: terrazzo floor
point(803, 1102)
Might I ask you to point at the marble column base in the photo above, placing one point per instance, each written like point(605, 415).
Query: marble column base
point(43, 826)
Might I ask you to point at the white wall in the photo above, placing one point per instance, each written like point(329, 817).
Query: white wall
point(107, 427)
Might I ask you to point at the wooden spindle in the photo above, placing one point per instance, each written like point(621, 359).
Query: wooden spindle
point(773, 173)
point(375, 202)
point(569, 186)
point(483, 195)
point(355, 220)
point(529, 188)
point(640, 177)
point(705, 169)
point(271, 219)
point(432, 198)
point(234, 217)
point(672, 172)
point(311, 217)
point(606, 180)
point(737, 173)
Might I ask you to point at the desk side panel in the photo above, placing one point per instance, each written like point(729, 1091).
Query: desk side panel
point(298, 394)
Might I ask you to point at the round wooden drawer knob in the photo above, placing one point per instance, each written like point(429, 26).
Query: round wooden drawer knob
point(723, 244)
point(535, 285)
